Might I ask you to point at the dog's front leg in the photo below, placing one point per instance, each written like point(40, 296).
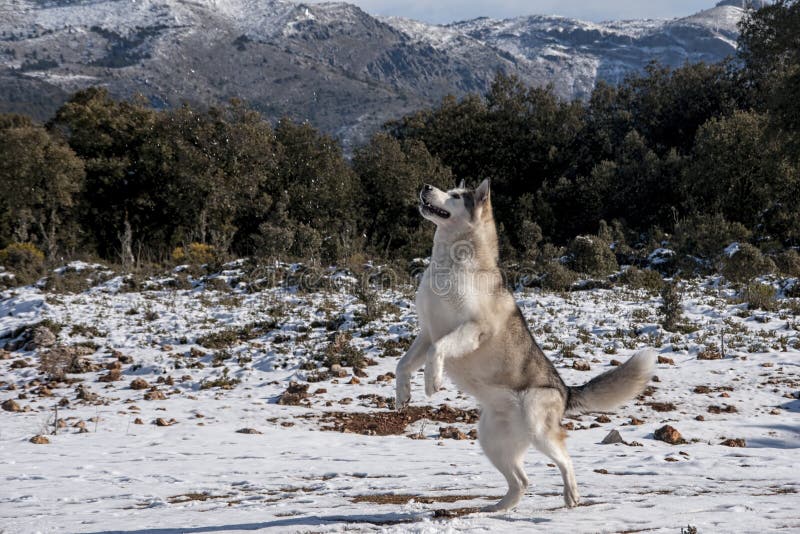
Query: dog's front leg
point(462, 341)
point(408, 364)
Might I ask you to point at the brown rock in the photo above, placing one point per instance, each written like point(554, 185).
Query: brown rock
point(727, 408)
point(248, 431)
point(359, 373)
point(635, 421)
point(154, 394)
point(709, 353)
point(39, 440)
point(139, 383)
point(163, 422)
point(85, 394)
point(451, 432)
point(662, 406)
point(737, 442)
point(11, 406)
point(354, 380)
point(602, 418)
point(42, 337)
point(581, 365)
point(138, 421)
point(615, 363)
point(116, 364)
point(112, 376)
point(701, 389)
point(19, 364)
point(294, 394)
point(669, 435)
point(665, 360)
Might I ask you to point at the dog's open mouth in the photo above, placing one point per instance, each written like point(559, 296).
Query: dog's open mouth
point(427, 207)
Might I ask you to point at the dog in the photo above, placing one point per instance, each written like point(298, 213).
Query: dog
point(472, 329)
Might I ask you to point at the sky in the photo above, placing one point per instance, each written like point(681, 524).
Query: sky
point(444, 11)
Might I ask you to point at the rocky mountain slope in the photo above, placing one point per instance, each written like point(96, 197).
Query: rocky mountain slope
point(331, 63)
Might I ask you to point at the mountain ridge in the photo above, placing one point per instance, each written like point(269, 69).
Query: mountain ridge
point(333, 64)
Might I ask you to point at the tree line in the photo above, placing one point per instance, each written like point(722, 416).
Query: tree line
point(691, 158)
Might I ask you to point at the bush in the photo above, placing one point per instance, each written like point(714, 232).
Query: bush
point(670, 309)
point(24, 260)
point(759, 296)
point(340, 351)
point(556, 277)
point(642, 279)
point(788, 262)
point(592, 255)
point(195, 254)
point(706, 236)
point(746, 263)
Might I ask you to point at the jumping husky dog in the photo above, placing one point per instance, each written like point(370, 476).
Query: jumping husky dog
point(472, 328)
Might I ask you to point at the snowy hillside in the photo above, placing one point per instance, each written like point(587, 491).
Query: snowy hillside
point(216, 402)
point(331, 63)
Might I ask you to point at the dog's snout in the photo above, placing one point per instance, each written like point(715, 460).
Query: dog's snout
point(427, 187)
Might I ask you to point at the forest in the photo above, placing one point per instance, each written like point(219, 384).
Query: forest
point(690, 159)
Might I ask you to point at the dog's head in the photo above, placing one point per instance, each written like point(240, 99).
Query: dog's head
point(459, 209)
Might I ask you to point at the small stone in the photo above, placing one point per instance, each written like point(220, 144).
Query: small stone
point(669, 435)
point(11, 406)
point(581, 365)
point(615, 363)
point(85, 394)
point(665, 360)
point(738, 442)
point(116, 364)
point(42, 337)
point(354, 380)
point(345, 401)
point(701, 389)
point(635, 421)
point(338, 371)
point(139, 383)
point(248, 431)
point(710, 353)
point(670, 459)
point(154, 394)
point(124, 358)
point(294, 394)
point(612, 437)
point(451, 432)
point(39, 440)
point(138, 421)
point(19, 364)
point(112, 376)
point(163, 422)
point(602, 419)
point(359, 373)
point(699, 418)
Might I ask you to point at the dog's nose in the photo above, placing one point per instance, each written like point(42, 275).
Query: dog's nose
point(427, 187)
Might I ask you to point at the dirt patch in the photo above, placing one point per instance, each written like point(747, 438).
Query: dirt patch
point(392, 498)
point(454, 512)
point(392, 423)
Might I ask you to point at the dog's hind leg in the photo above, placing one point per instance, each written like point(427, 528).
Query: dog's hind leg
point(544, 411)
point(408, 364)
point(504, 441)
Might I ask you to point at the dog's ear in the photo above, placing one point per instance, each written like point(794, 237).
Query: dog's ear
point(461, 185)
point(482, 193)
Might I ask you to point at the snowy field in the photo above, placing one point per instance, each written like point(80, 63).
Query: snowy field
point(235, 452)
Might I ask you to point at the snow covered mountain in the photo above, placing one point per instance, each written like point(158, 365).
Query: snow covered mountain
point(331, 63)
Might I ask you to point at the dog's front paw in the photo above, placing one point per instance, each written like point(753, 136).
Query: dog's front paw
point(433, 382)
point(571, 498)
point(402, 394)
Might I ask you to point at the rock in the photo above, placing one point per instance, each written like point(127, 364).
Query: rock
point(115, 364)
point(39, 440)
point(612, 437)
point(699, 418)
point(85, 394)
point(154, 394)
point(42, 338)
point(354, 380)
point(635, 421)
point(19, 364)
point(139, 383)
point(451, 432)
point(602, 419)
point(615, 363)
point(5, 355)
point(359, 373)
point(124, 358)
point(738, 442)
point(11, 406)
point(669, 435)
point(701, 390)
point(665, 360)
point(112, 376)
point(662, 406)
point(163, 422)
point(138, 421)
point(248, 431)
point(581, 365)
point(294, 394)
point(727, 408)
point(709, 353)
point(338, 371)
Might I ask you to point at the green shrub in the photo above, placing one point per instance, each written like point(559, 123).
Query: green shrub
point(746, 263)
point(759, 296)
point(670, 309)
point(592, 255)
point(647, 279)
point(194, 253)
point(557, 277)
point(341, 351)
point(706, 236)
point(24, 260)
point(788, 263)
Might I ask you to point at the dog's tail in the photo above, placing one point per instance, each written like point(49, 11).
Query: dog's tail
point(610, 389)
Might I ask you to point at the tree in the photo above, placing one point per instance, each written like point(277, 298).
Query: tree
point(392, 173)
point(40, 177)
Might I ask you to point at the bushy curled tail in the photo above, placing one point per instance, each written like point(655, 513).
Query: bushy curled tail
point(610, 389)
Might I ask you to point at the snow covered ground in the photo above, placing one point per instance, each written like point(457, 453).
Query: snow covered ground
point(109, 468)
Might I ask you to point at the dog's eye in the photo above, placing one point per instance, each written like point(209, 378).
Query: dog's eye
point(456, 196)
